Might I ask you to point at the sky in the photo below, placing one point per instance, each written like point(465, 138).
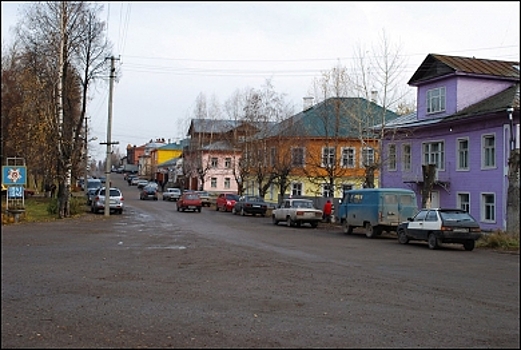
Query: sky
point(170, 52)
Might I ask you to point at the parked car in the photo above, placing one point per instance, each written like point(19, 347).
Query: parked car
point(116, 200)
point(189, 201)
point(149, 192)
point(252, 205)
point(172, 194)
point(295, 212)
point(376, 209)
point(205, 198)
point(92, 186)
point(134, 180)
point(141, 183)
point(226, 201)
point(437, 226)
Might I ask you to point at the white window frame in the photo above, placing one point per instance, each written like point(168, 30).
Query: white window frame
point(327, 191)
point(227, 182)
point(488, 209)
point(213, 182)
point(462, 154)
point(348, 157)
point(214, 162)
point(392, 157)
point(430, 155)
point(227, 162)
point(328, 157)
point(436, 100)
point(488, 152)
point(367, 154)
point(406, 157)
point(297, 188)
point(463, 203)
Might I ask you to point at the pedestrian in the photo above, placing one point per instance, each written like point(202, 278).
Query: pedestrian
point(328, 207)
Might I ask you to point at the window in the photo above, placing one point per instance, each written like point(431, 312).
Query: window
point(367, 156)
point(406, 157)
point(348, 157)
point(433, 153)
point(436, 100)
point(273, 156)
point(464, 201)
point(297, 157)
point(227, 163)
point(328, 156)
point(489, 151)
point(327, 190)
point(214, 162)
point(463, 154)
point(296, 189)
point(392, 157)
point(227, 182)
point(488, 207)
point(213, 182)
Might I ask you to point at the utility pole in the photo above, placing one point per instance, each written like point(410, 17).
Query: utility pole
point(109, 143)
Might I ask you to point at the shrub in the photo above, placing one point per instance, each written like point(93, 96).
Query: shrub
point(499, 239)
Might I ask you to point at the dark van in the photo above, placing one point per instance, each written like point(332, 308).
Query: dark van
point(376, 209)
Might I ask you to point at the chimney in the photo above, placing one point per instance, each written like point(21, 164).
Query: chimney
point(374, 93)
point(308, 103)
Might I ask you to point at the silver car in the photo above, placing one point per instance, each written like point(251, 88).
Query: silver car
point(115, 200)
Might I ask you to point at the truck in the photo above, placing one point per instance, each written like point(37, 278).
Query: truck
point(376, 209)
point(130, 168)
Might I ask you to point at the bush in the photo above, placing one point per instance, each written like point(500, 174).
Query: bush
point(76, 206)
point(499, 239)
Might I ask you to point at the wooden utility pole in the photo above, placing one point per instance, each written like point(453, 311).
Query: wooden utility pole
point(109, 142)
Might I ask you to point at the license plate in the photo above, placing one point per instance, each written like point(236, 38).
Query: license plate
point(461, 230)
point(256, 206)
point(192, 207)
point(112, 202)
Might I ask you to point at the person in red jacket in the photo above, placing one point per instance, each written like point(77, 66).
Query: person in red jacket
point(328, 207)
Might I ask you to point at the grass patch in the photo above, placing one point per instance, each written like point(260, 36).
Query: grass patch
point(499, 240)
point(41, 209)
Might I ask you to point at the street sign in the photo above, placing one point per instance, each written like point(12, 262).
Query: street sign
point(14, 175)
point(15, 191)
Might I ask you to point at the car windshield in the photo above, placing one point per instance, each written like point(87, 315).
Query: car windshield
point(457, 216)
point(113, 192)
point(191, 196)
point(232, 197)
point(302, 204)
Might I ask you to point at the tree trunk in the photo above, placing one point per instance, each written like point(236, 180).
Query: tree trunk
point(429, 172)
point(513, 193)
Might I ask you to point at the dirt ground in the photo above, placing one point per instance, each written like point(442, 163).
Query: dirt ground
point(120, 282)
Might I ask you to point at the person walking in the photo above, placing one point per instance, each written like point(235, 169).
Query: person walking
point(328, 208)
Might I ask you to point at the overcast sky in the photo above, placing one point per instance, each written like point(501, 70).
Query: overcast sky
point(170, 52)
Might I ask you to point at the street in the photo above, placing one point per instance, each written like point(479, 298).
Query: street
point(154, 277)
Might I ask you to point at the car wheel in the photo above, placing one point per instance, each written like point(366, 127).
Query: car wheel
point(274, 221)
point(433, 241)
point(199, 209)
point(370, 231)
point(178, 209)
point(348, 229)
point(234, 212)
point(242, 212)
point(314, 224)
point(289, 222)
point(469, 245)
point(216, 207)
point(402, 237)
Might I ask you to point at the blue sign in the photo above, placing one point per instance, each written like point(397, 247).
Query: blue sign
point(15, 192)
point(14, 175)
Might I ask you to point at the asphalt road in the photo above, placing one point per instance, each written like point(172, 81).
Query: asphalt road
point(157, 278)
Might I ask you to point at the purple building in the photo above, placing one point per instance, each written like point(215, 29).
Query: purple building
point(466, 124)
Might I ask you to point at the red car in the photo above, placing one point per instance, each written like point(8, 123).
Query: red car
point(226, 201)
point(189, 201)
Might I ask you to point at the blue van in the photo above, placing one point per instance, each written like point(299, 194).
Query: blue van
point(376, 209)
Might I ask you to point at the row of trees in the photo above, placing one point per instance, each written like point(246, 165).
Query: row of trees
point(262, 146)
point(58, 54)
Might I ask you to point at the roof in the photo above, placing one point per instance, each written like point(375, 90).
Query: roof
point(334, 117)
point(208, 126)
point(436, 65)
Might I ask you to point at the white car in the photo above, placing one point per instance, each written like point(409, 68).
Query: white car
point(115, 200)
point(295, 212)
point(172, 194)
